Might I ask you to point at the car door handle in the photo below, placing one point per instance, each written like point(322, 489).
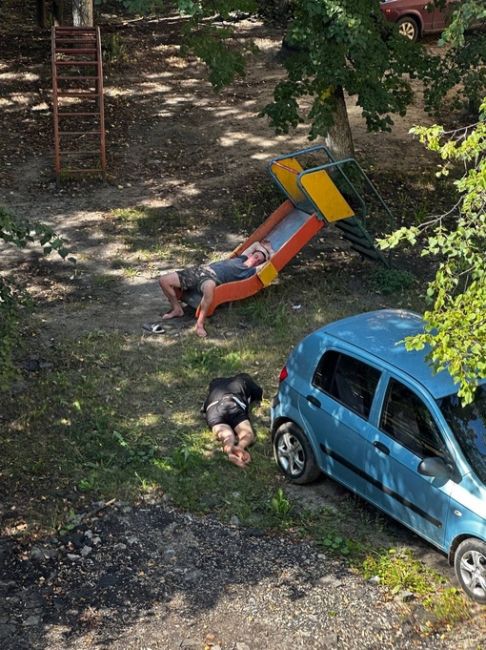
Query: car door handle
point(313, 400)
point(381, 447)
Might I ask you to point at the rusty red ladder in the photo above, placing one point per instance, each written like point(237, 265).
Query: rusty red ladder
point(77, 101)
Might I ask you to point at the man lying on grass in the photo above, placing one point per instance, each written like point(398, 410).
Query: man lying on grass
point(227, 408)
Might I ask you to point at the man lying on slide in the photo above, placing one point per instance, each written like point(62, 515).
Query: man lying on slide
point(206, 277)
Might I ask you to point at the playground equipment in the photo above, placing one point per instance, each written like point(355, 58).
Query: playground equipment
point(328, 193)
point(77, 101)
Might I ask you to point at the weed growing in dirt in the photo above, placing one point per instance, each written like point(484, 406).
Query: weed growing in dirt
point(280, 505)
point(130, 271)
point(338, 545)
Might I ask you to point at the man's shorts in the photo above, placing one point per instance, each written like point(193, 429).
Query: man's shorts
point(226, 411)
point(194, 277)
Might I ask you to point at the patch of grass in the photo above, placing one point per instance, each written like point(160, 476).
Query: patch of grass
point(448, 607)
point(264, 310)
point(391, 281)
point(212, 361)
point(398, 571)
point(146, 221)
point(150, 231)
point(105, 280)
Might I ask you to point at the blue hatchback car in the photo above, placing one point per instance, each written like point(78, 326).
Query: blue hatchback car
point(354, 404)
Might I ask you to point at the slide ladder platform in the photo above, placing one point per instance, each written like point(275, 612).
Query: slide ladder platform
point(329, 189)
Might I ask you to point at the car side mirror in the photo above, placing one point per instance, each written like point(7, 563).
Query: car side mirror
point(435, 467)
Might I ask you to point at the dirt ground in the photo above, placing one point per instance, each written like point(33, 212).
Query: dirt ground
point(175, 145)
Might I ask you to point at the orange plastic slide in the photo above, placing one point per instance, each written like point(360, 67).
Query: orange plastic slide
point(288, 229)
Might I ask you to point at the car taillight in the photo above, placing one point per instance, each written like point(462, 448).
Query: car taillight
point(283, 374)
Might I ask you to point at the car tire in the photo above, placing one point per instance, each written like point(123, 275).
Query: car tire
point(470, 568)
point(293, 454)
point(408, 27)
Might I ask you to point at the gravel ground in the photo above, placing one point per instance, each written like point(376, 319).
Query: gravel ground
point(150, 577)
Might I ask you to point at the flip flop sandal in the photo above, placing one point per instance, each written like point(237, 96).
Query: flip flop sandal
point(153, 328)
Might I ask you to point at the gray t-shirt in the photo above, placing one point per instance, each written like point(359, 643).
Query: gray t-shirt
point(232, 269)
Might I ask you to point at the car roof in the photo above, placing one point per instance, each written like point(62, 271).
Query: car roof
point(381, 333)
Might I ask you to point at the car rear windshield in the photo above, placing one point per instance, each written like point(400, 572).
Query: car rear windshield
point(469, 426)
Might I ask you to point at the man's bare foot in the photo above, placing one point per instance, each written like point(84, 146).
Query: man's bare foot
point(242, 454)
point(236, 460)
point(177, 312)
point(200, 331)
point(228, 448)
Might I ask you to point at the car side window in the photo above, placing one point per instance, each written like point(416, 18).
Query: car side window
point(348, 380)
point(406, 419)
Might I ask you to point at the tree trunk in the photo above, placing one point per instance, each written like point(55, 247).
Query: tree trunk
point(339, 139)
point(49, 11)
point(83, 13)
point(41, 13)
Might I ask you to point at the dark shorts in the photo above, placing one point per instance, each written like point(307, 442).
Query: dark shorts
point(226, 411)
point(194, 277)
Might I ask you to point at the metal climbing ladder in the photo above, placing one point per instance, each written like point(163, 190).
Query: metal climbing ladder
point(77, 101)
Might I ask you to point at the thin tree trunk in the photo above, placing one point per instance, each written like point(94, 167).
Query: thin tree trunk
point(49, 11)
point(41, 13)
point(339, 139)
point(83, 13)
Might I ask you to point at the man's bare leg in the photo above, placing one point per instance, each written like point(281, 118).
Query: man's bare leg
point(168, 283)
point(226, 436)
point(207, 299)
point(246, 437)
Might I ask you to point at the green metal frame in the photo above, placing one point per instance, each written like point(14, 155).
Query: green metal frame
point(353, 227)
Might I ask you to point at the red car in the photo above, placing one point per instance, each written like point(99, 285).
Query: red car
point(415, 18)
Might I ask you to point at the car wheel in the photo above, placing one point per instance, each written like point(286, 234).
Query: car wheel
point(470, 568)
point(294, 454)
point(409, 28)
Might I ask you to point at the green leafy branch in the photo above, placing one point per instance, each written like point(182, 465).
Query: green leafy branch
point(455, 326)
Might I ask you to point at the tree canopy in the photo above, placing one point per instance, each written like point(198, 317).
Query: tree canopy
point(456, 321)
